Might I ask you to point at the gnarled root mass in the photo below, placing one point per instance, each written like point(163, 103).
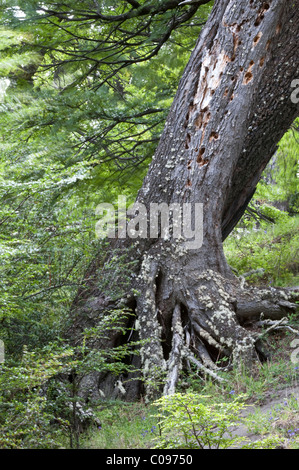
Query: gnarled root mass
point(198, 318)
point(190, 318)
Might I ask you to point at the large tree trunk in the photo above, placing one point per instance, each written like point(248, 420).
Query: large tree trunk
point(232, 107)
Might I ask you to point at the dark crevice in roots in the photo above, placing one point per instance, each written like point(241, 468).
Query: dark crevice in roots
point(216, 355)
point(262, 353)
point(166, 335)
point(185, 317)
point(158, 284)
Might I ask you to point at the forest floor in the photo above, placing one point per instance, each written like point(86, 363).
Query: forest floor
point(274, 410)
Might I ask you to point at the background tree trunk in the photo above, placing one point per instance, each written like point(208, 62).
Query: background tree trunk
point(231, 109)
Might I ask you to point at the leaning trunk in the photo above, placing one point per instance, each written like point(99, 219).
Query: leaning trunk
point(232, 107)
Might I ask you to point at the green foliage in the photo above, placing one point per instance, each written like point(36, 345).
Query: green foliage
point(34, 394)
point(96, 91)
point(271, 442)
point(12, 60)
point(280, 179)
point(189, 421)
point(272, 212)
point(267, 237)
point(25, 420)
point(75, 131)
point(272, 247)
point(123, 426)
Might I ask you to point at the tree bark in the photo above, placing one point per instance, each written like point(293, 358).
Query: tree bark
point(231, 109)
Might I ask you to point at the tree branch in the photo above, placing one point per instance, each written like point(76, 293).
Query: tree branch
point(133, 3)
point(144, 10)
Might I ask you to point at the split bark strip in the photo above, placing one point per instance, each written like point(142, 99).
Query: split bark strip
point(153, 363)
point(205, 335)
point(175, 359)
point(205, 357)
point(275, 325)
point(200, 366)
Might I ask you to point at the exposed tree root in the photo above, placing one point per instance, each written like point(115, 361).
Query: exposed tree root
point(198, 324)
point(204, 369)
point(275, 325)
point(186, 319)
point(174, 363)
